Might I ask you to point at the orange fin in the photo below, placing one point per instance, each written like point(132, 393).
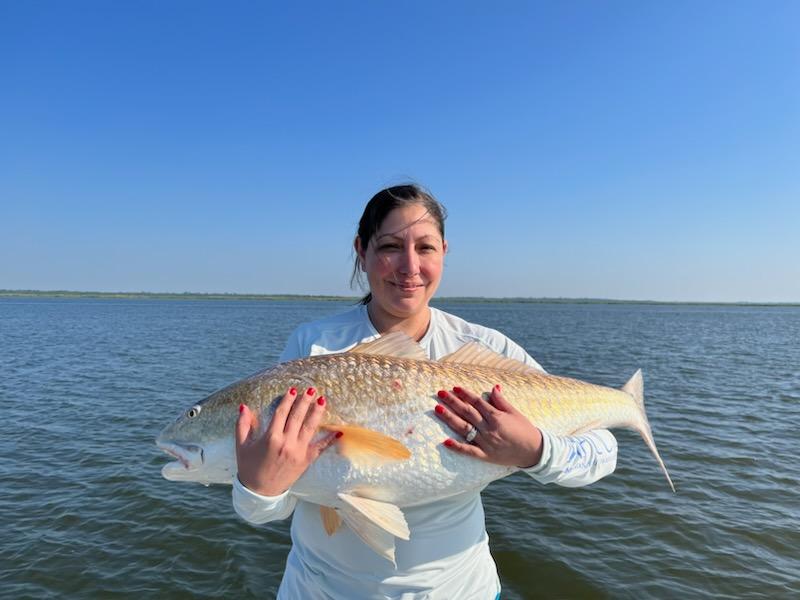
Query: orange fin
point(330, 519)
point(362, 445)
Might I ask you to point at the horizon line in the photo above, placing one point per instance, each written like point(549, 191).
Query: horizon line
point(337, 297)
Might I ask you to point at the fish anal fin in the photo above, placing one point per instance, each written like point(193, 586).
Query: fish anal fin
point(474, 353)
point(331, 520)
point(380, 540)
point(385, 515)
point(596, 424)
point(396, 343)
point(367, 446)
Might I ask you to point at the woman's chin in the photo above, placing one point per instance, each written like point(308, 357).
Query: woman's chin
point(408, 305)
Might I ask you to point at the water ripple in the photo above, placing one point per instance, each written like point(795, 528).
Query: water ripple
point(87, 385)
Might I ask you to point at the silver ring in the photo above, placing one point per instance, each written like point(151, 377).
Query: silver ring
point(471, 434)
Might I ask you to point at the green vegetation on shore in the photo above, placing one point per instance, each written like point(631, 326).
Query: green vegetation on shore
point(353, 299)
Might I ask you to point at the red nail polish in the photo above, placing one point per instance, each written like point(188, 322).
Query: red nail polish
point(241, 408)
point(439, 409)
point(292, 390)
point(497, 387)
point(441, 394)
point(321, 401)
point(311, 391)
point(339, 434)
point(448, 442)
point(457, 390)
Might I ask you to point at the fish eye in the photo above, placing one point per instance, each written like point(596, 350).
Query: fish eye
point(194, 411)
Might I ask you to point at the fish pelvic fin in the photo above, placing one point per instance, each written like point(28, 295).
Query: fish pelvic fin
point(396, 343)
point(367, 446)
point(331, 520)
point(376, 523)
point(473, 353)
point(635, 389)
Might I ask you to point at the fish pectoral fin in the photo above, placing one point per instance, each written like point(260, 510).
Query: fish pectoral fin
point(473, 353)
point(331, 520)
point(367, 446)
point(376, 523)
point(397, 344)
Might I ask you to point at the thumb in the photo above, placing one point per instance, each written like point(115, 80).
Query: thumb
point(500, 402)
point(318, 447)
point(243, 425)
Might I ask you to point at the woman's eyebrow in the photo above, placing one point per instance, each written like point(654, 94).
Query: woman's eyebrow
point(401, 238)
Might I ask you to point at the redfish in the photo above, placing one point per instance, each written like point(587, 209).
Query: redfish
point(382, 396)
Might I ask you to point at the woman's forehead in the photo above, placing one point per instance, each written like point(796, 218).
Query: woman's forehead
point(413, 220)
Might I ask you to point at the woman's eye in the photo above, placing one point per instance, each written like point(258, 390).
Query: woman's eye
point(388, 247)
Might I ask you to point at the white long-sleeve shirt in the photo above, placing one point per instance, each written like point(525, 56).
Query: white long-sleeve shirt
point(447, 555)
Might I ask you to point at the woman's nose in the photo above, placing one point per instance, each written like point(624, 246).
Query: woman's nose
point(409, 262)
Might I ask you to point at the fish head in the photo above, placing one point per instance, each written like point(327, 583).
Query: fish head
point(201, 439)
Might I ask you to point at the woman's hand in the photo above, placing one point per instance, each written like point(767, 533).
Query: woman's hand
point(270, 463)
point(504, 435)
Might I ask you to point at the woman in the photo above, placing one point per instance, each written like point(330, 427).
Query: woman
point(400, 247)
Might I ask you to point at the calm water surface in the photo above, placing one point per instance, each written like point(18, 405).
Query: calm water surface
point(86, 385)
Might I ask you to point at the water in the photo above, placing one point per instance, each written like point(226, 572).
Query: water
point(86, 385)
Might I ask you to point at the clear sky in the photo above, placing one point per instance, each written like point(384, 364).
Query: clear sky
point(633, 150)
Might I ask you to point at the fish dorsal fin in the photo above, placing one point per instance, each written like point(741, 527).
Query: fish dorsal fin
point(366, 446)
point(396, 344)
point(376, 523)
point(474, 353)
point(330, 519)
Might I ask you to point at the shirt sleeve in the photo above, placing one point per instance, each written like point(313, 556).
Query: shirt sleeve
point(257, 509)
point(575, 461)
point(294, 348)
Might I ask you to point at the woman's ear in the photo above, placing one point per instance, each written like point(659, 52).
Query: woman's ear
point(360, 252)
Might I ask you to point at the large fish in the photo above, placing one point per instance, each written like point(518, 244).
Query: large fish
point(382, 395)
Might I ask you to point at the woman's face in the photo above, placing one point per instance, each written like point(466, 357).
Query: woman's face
point(404, 261)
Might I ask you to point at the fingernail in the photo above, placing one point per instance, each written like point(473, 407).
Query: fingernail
point(448, 442)
point(311, 391)
point(292, 390)
point(241, 408)
point(457, 390)
point(441, 394)
point(439, 409)
point(339, 434)
point(321, 401)
point(497, 387)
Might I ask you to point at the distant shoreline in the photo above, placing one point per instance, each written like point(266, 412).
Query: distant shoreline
point(68, 294)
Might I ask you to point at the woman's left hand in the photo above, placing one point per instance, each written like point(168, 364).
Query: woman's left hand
point(504, 435)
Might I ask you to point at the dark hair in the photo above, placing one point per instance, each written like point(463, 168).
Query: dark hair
point(384, 202)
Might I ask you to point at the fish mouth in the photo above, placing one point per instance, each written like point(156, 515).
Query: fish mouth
point(191, 456)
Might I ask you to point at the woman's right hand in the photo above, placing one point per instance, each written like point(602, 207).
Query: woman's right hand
point(271, 462)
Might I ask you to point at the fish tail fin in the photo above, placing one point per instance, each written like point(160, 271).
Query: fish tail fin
point(635, 389)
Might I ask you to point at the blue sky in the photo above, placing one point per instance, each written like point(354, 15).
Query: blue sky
point(633, 150)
